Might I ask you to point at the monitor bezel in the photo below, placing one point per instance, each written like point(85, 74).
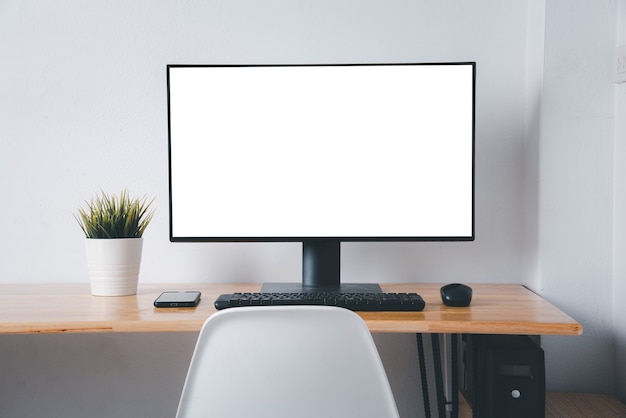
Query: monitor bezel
point(471, 237)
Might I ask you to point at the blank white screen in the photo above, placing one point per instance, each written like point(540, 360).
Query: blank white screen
point(321, 151)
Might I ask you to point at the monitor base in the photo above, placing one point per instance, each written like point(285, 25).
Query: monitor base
point(300, 288)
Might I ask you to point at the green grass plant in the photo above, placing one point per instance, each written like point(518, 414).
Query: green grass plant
point(113, 216)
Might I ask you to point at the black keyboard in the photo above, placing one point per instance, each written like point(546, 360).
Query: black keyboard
point(353, 301)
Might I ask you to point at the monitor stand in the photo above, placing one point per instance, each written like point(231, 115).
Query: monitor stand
point(320, 271)
point(300, 288)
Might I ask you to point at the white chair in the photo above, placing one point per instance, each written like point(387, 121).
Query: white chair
point(296, 361)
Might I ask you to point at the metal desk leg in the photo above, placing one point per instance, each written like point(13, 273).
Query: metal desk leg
point(437, 357)
point(422, 365)
point(455, 375)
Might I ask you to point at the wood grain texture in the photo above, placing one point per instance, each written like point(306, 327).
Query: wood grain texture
point(569, 405)
point(588, 405)
point(58, 308)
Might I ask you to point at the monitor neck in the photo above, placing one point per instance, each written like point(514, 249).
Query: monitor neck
point(321, 262)
point(321, 271)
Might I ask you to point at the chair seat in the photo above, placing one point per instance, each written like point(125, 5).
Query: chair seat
point(287, 361)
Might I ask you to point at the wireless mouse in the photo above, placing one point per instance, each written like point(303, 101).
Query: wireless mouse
point(456, 294)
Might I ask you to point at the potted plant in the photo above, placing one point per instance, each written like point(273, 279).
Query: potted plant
point(114, 226)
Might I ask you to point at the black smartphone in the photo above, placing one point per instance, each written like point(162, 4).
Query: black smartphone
point(178, 299)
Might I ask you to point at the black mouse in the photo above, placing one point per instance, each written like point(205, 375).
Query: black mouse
point(456, 294)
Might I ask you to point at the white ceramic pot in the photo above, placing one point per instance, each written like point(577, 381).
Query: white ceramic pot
point(113, 265)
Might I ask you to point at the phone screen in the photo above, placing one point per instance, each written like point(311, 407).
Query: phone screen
point(173, 299)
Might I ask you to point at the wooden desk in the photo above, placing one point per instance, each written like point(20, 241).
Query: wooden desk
point(46, 308)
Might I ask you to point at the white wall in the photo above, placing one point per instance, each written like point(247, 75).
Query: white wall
point(619, 260)
point(82, 107)
point(576, 189)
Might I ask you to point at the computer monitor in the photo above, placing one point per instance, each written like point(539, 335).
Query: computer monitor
point(321, 154)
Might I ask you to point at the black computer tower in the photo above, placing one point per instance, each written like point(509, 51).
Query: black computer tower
point(504, 376)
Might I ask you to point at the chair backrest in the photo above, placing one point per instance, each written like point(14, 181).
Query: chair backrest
point(297, 361)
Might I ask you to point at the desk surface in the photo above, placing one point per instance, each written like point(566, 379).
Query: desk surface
point(47, 308)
